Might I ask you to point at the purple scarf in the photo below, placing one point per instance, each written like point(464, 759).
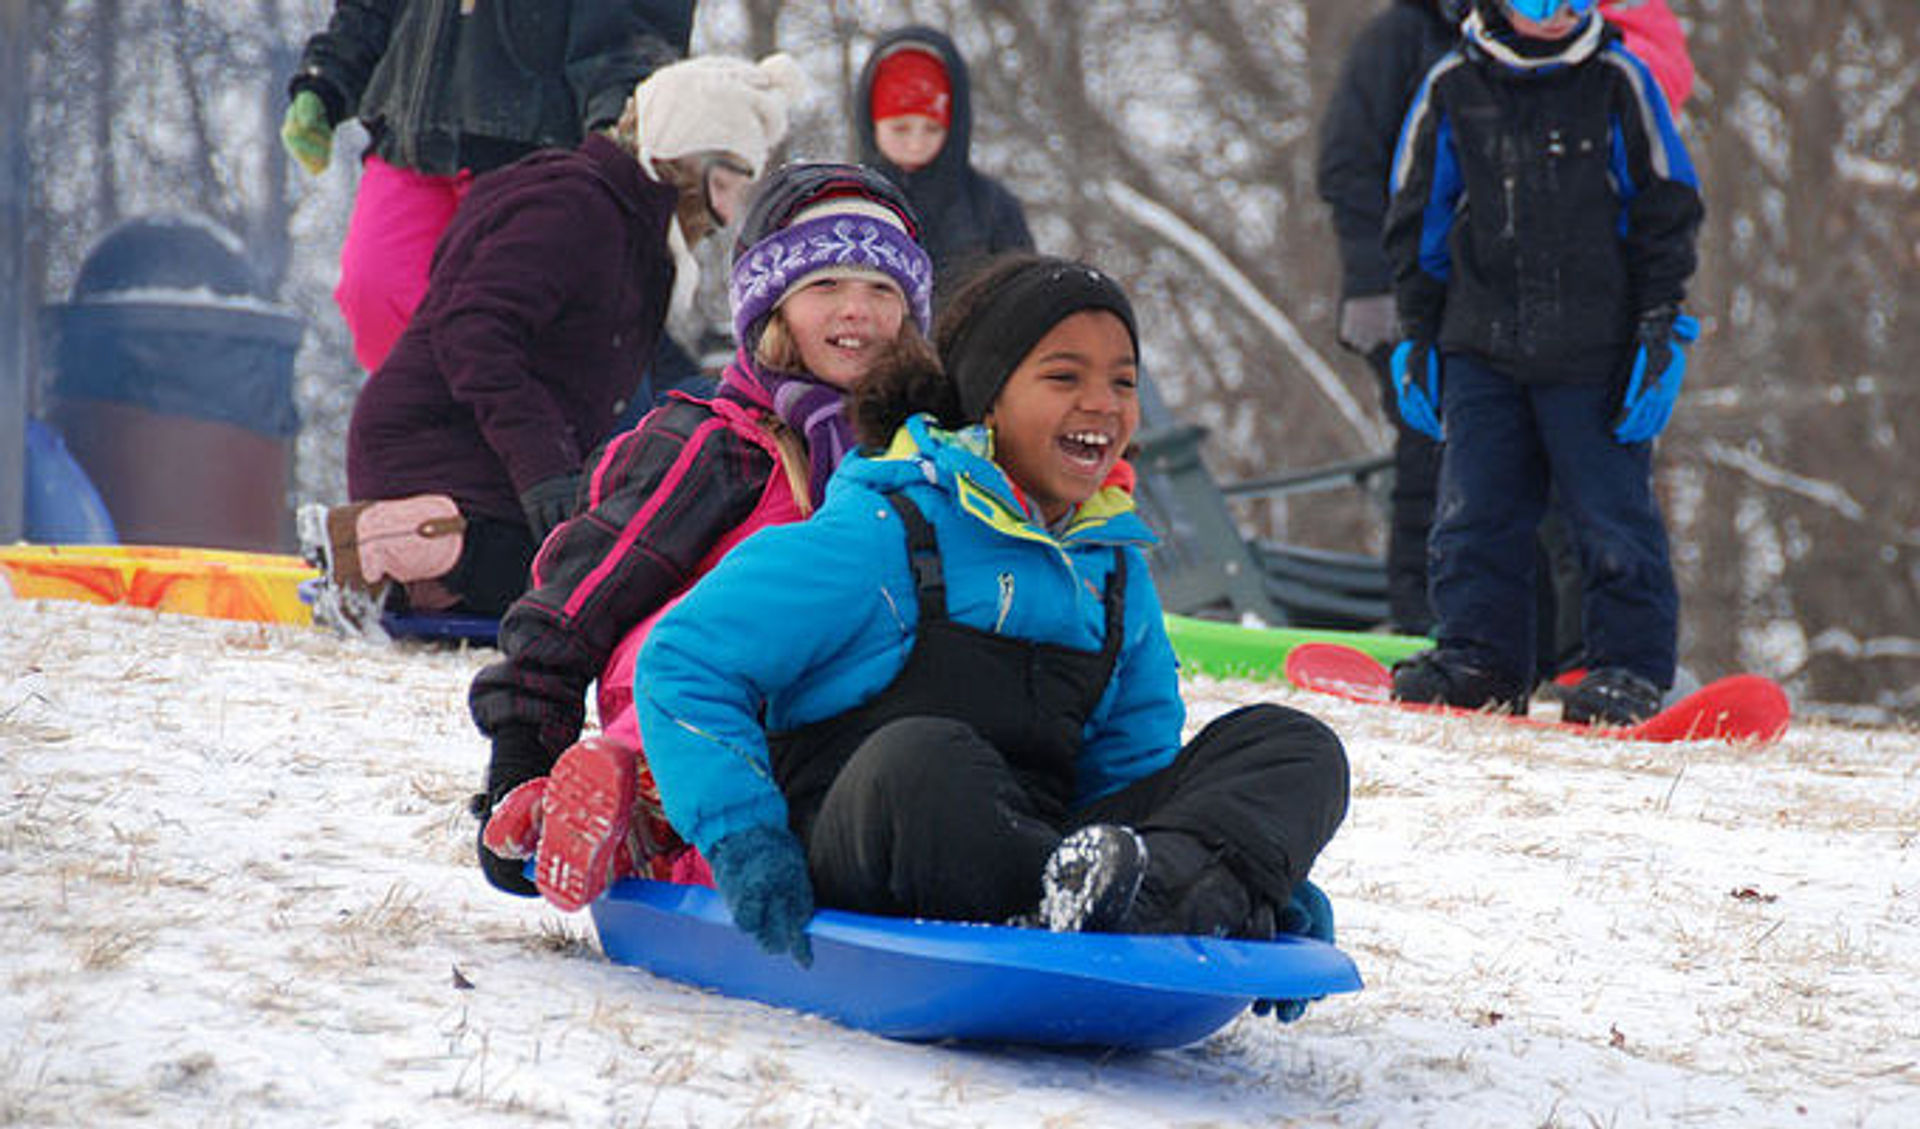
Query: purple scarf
point(816, 411)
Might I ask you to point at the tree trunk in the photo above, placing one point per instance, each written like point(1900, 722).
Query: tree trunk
point(15, 21)
point(106, 70)
point(269, 231)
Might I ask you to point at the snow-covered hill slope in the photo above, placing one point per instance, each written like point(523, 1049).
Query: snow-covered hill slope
point(238, 890)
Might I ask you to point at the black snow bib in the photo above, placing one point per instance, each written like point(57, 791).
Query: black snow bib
point(1029, 700)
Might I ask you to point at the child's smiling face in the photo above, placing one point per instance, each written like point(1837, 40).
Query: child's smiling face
point(1068, 412)
point(842, 326)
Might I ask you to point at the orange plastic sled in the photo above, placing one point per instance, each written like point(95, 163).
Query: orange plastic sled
point(216, 583)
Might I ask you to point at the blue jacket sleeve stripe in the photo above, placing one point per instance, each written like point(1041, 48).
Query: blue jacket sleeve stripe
point(1416, 119)
point(1620, 171)
point(1666, 152)
point(1443, 204)
point(1445, 183)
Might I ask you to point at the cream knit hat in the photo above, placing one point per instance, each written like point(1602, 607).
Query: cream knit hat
point(717, 103)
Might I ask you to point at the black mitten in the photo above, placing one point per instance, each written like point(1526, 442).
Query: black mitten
point(515, 776)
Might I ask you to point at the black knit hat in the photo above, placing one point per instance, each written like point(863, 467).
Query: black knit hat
point(1024, 306)
point(785, 191)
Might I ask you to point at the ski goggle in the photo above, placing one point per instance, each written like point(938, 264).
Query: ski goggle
point(1540, 11)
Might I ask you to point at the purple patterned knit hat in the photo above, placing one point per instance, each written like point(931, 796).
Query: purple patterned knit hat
point(842, 235)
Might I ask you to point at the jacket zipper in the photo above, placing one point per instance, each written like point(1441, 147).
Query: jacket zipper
point(437, 31)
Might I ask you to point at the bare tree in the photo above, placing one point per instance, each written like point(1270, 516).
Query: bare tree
point(164, 106)
point(1797, 543)
point(1798, 536)
point(1174, 144)
point(106, 61)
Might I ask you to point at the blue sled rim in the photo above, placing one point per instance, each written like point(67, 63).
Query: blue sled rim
point(480, 630)
point(933, 980)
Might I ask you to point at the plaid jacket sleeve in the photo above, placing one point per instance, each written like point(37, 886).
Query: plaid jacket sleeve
point(660, 497)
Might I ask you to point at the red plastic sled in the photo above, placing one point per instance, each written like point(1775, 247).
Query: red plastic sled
point(1743, 707)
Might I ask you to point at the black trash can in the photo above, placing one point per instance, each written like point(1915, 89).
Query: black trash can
point(173, 387)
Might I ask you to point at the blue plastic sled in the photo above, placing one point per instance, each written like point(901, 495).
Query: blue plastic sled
point(480, 630)
point(931, 980)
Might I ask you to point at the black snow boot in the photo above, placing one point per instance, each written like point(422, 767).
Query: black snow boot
point(1190, 889)
point(1091, 879)
point(1449, 678)
point(1612, 695)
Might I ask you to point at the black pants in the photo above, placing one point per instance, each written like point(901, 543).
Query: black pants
point(1516, 450)
point(1416, 483)
point(1416, 487)
point(927, 820)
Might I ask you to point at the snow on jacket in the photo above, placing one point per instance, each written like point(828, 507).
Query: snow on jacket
point(965, 214)
point(804, 622)
point(665, 501)
point(450, 84)
point(546, 298)
point(1537, 210)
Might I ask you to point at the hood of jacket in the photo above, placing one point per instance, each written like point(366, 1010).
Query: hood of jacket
point(949, 168)
point(1491, 41)
point(740, 381)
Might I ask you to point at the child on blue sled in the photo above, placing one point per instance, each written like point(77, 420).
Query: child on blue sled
point(950, 693)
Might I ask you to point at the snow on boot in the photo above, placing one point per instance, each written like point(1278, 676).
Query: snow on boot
point(350, 611)
point(1091, 879)
point(586, 820)
point(363, 547)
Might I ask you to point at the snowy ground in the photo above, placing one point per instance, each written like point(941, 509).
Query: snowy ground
point(241, 894)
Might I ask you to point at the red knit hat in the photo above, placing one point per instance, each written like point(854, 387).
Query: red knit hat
point(912, 81)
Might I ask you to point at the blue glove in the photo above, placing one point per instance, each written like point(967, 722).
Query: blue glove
point(762, 873)
point(1308, 914)
point(1416, 381)
point(1659, 365)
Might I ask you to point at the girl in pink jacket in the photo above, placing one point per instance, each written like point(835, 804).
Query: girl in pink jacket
point(829, 278)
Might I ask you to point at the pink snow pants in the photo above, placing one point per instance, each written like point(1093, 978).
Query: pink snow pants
point(398, 216)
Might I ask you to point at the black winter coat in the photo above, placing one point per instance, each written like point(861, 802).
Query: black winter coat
point(443, 89)
point(1377, 82)
point(966, 214)
point(1537, 212)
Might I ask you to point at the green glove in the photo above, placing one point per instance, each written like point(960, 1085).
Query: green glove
point(306, 133)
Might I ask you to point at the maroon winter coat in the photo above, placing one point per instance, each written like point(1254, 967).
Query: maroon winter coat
point(545, 301)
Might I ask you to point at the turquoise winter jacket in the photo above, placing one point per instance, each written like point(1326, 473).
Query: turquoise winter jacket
point(807, 621)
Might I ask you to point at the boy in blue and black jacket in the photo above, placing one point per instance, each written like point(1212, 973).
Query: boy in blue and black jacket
point(1542, 231)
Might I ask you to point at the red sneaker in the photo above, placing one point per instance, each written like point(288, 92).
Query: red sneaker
point(585, 821)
